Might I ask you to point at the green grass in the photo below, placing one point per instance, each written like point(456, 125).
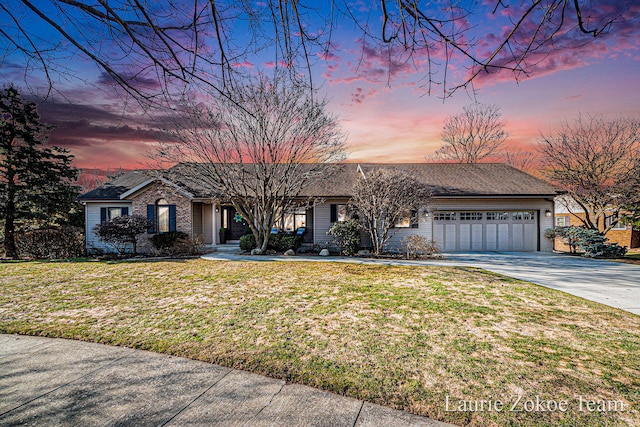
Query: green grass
point(633, 256)
point(404, 337)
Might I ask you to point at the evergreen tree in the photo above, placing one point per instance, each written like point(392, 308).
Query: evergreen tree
point(36, 181)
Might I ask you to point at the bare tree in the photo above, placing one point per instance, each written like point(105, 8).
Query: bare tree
point(91, 179)
point(258, 148)
point(519, 159)
point(595, 160)
point(152, 49)
point(473, 135)
point(382, 198)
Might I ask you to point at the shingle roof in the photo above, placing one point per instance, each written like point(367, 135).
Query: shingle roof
point(475, 179)
point(445, 179)
point(117, 186)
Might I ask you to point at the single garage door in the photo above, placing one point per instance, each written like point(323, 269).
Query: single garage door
point(515, 231)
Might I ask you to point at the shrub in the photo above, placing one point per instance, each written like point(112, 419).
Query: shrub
point(164, 241)
point(605, 250)
point(346, 236)
point(594, 244)
point(568, 235)
point(277, 242)
point(247, 242)
point(177, 242)
point(417, 246)
point(122, 231)
point(51, 243)
point(591, 242)
point(284, 242)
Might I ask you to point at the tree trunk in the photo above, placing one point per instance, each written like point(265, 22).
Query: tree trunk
point(10, 249)
point(265, 243)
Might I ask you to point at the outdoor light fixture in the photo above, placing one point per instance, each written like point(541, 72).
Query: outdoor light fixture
point(217, 209)
point(547, 213)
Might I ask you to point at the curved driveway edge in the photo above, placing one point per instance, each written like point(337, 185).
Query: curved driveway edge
point(611, 283)
point(45, 381)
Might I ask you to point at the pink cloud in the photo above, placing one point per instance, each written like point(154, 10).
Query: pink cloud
point(243, 64)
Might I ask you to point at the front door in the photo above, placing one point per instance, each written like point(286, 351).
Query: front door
point(236, 225)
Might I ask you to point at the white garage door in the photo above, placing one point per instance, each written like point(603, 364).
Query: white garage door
point(457, 231)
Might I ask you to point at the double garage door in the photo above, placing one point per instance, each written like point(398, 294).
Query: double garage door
point(457, 231)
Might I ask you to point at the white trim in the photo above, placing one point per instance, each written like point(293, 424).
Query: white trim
point(152, 180)
point(136, 188)
point(214, 224)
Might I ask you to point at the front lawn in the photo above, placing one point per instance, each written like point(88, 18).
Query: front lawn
point(405, 337)
point(632, 257)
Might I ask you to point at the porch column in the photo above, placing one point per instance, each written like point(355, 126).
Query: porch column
point(214, 223)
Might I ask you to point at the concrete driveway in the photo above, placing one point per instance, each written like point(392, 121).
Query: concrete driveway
point(615, 284)
point(612, 283)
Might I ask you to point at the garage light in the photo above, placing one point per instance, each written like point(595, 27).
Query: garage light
point(547, 213)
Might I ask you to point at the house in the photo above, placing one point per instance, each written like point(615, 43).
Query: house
point(569, 213)
point(475, 207)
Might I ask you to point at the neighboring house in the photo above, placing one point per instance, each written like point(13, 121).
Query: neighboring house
point(569, 213)
point(475, 207)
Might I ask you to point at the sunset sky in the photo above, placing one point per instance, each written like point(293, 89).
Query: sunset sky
point(388, 117)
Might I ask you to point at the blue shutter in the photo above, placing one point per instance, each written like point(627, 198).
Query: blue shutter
point(151, 213)
point(414, 220)
point(103, 215)
point(172, 217)
point(334, 213)
point(124, 211)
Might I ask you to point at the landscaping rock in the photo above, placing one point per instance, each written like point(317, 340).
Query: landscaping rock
point(364, 252)
point(324, 252)
point(290, 252)
point(256, 251)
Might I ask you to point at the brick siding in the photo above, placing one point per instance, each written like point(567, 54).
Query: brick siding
point(150, 195)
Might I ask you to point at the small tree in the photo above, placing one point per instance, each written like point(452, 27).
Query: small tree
point(475, 134)
point(36, 181)
point(346, 236)
point(122, 231)
point(382, 198)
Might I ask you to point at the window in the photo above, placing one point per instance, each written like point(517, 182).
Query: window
point(404, 221)
point(470, 216)
point(523, 216)
point(497, 216)
point(293, 221)
point(339, 213)
point(445, 216)
point(163, 217)
point(619, 225)
point(409, 219)
point(109, 213)
point(562, 221)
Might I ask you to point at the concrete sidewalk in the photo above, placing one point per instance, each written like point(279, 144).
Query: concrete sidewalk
point(48, 381)
point(611, 283)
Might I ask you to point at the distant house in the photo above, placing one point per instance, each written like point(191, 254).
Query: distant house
point(569, 213)
point(475, 207)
